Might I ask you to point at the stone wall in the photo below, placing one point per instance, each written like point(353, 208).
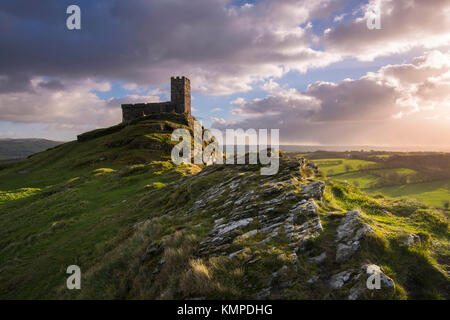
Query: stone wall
point(134, 111)
point(180, 94)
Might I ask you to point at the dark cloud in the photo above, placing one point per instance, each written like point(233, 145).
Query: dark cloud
point(15, 82)
point(52, 84)
point(148, 41)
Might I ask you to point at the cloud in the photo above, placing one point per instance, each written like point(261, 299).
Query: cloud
point(52, 84)
point(404, 25)
point(381, 107)
point(216, 110)
point(339, 17)
point(14, 83)
point(354, 100)
point(67, 104)
point(48, 73)
point(130, 86)
point(222, 47)
point(220, 121)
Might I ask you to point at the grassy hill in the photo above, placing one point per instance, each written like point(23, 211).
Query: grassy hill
point(14, 149)
point(140, 227)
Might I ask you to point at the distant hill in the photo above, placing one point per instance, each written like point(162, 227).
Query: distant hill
point(14, 149)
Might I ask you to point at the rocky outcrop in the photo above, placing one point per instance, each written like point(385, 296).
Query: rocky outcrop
point(371, 282)
point(251, 211)
point(338, 280)
point(349, 234)
point(300, 224)
point(252, 200)
point(366, 283)
point(314, 190)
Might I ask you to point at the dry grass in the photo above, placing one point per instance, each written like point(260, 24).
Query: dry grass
point(196, 280)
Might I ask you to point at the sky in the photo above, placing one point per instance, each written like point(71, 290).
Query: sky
point(312, 69)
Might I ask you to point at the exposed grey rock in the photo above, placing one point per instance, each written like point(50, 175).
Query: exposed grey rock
point(267, 210)
point(275, 201)
point(305, 208)
point(280, 272)
point(318, 259)
point(313, 190)
point(153, 250)
point(374, 269)
point(308, 230)
point(263, 294)
point(349, 233)
point(313, 280)
point(248, 234)
point(273, 188)
point(345, 251)
point(301, 223)
point(338, 280)
point(227, 204)
point(411, 240)
point(232, 255)
point(234, 225)
point(367, 275)
point(253, 260)
point(246, 198)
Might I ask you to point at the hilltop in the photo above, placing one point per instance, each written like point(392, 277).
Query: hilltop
point(142, 228)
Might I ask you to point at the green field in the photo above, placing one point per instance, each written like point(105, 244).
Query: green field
point(365, 179)
point(360, 179)
point(338, 166)
point(400, 171)
point(381, 156)
point(431, 193)
point(434, 193)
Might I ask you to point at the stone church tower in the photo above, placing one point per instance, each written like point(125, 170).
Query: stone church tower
point(180, 94)
point(180, 101)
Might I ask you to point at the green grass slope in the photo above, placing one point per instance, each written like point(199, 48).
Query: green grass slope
point(141, 228)
point(63, 205)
